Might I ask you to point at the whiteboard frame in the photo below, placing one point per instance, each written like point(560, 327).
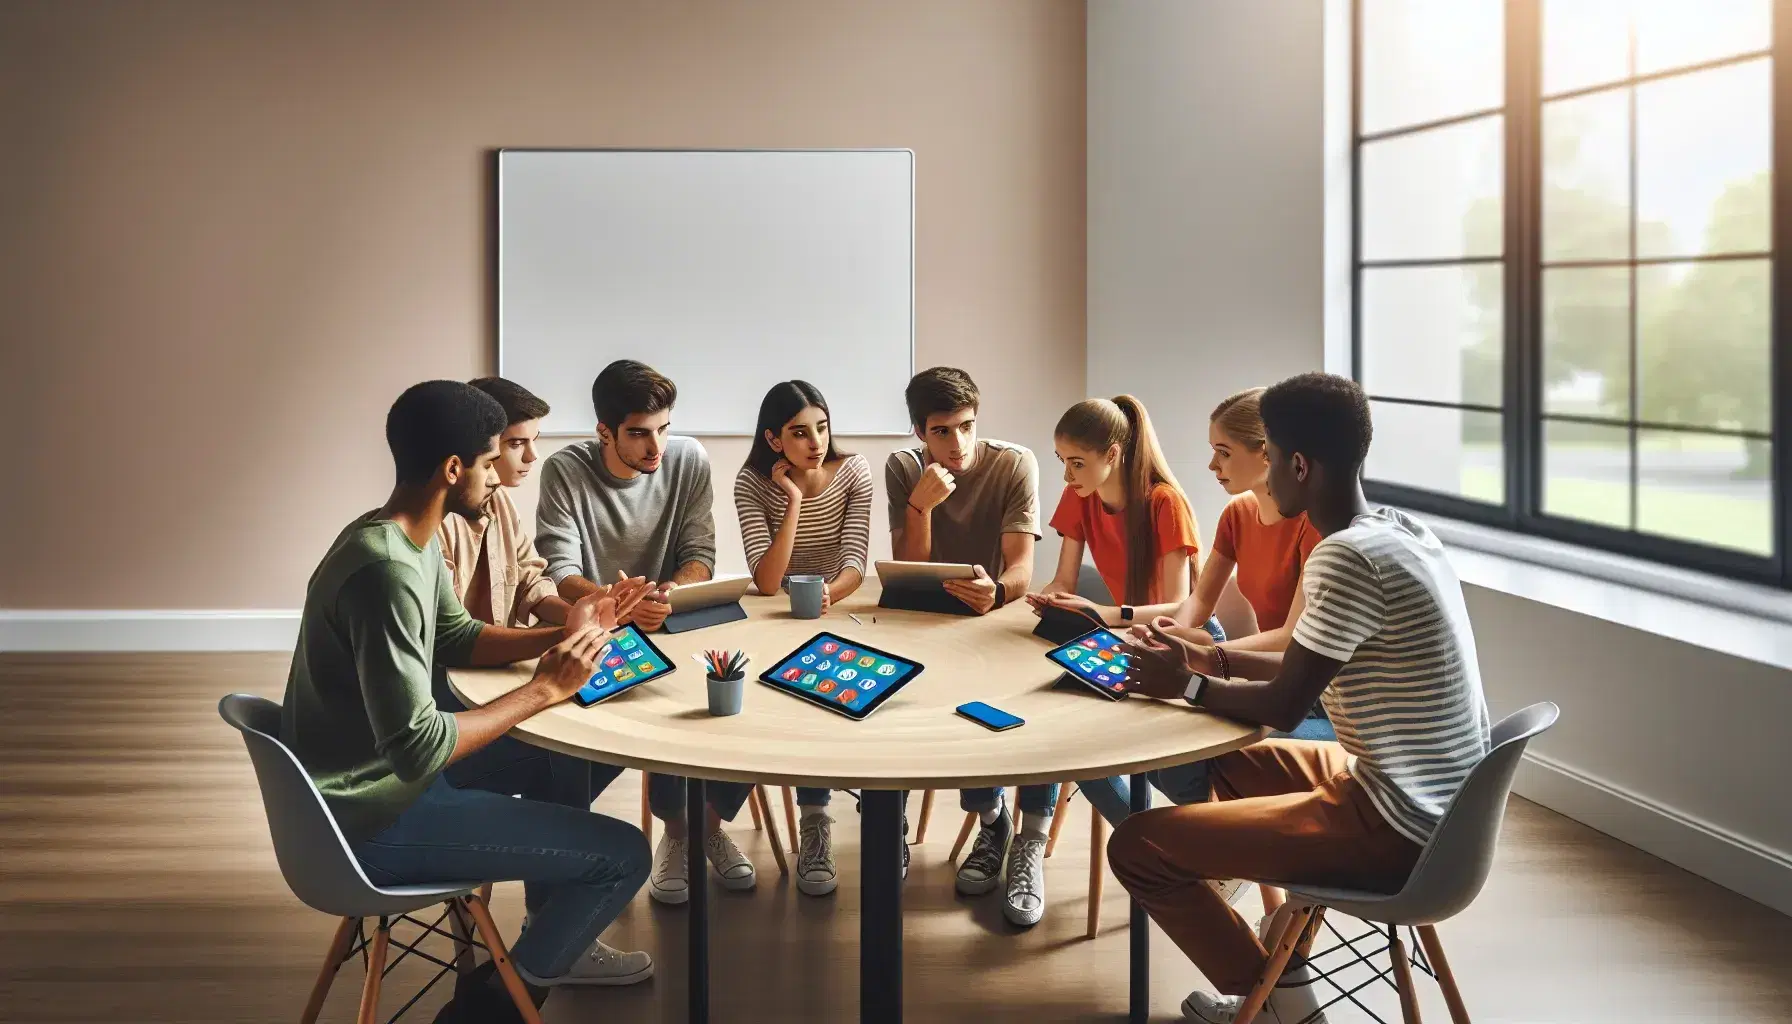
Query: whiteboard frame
point(498, 260)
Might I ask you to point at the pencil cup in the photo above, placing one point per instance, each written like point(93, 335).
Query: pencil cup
point(805, 596)
point(725, 693)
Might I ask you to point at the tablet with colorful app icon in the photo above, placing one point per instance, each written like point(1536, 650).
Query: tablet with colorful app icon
point(631, 660)
point(842, 675)
point(1097, 659)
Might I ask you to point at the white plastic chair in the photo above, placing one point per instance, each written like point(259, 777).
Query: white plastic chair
point(1448, 876)
point(322, 872)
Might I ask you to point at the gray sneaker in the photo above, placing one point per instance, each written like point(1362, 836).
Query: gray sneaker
point(601, 965)
point(815, 856)
point(981, 872)
point(1025, 904)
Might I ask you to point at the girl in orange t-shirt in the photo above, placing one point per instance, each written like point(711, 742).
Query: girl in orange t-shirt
point(1123, 504)
point(1267, 550)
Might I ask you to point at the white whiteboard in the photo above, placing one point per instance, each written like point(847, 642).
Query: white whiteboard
point(727, 271)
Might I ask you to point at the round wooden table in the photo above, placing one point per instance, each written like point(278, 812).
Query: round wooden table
point(913, 741)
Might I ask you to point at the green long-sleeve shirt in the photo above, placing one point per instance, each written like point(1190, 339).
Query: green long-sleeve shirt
point(380, 614)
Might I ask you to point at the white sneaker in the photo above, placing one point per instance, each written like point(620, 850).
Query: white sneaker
point(671, 879)
point(1025, 904)
point(815, 856)
point(731, 865)
point(1231, 889)
point(600, 965)
point(1294, 1001)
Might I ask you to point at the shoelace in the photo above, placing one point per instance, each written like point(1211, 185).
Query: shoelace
point(986, 852)
point(675, 859)
point(1024, 862)
point(817, 840)
point(722, 852)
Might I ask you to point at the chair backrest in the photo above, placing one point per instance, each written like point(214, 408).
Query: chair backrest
point(314, 857)
point(1456, 862)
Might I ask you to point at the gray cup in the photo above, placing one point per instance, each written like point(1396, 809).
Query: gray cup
point(725, 694)
point(805, 595)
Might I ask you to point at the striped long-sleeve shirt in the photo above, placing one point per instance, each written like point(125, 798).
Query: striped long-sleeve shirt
point(1407, 705)
point(833, 533)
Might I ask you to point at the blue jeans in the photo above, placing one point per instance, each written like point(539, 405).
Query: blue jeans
point(665, 797)
point(809, 797)
point(1035, 800)
point(579, 869)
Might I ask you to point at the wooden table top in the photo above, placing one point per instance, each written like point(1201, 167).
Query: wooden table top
point(913, 741)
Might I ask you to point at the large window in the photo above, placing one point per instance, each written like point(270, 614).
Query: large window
point(1564, 233)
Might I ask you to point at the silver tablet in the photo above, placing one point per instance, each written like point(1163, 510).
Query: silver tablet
point(922, 573)
point(689, 597)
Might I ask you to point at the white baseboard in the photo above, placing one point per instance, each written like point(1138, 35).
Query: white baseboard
point(99, 631)
point(1735, 862)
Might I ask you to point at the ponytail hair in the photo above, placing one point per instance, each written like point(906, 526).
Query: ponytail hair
point(1100, 423)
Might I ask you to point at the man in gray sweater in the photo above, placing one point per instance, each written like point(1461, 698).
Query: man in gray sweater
point(638, 501)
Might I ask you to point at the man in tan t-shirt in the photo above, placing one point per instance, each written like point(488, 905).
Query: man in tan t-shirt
point(958, 498)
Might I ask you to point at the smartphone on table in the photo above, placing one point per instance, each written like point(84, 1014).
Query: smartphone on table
point(990, 717)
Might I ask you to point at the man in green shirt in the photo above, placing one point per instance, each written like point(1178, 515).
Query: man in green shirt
point(380, 616)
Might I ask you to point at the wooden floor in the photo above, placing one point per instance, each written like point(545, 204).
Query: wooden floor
point(137, 884)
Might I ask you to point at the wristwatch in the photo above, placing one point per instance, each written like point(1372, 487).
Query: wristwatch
point(1126, 613)
point(1001, 594)
point(1196, 683)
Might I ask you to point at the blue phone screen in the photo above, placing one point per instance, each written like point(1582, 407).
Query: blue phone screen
point(992, 717)
point(631, 661)
point(1099, 658)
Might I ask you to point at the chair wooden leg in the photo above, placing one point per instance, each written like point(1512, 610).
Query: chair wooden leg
point(376, 969)
point(646, 810)
point(790, 817)
point(1409, 997)
point(519, 995)
point(1434, 952)
point(1287, 938)
point(964, 833)
point(462, 927)
point(753, 808)
point(771, 825)
point(926, 815)
point(1098, 862)
point(1064, 791)
point(345, 930)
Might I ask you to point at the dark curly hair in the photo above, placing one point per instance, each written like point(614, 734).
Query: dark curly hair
point(436, 419)
point(1322, 416)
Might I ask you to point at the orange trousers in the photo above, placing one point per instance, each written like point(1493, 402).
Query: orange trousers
point(1283, 812)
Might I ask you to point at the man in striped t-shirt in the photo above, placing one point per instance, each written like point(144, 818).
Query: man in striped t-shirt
point(1385, 643)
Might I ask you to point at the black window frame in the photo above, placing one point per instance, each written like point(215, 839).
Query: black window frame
point(1522, 384)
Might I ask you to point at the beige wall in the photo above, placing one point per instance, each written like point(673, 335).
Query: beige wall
point(233, 232)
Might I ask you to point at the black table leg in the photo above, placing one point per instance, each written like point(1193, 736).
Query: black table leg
point(880, 922)
point(696, 816)
point(1141, 925)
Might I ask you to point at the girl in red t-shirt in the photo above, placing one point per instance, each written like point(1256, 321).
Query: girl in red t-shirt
point(1123, 504)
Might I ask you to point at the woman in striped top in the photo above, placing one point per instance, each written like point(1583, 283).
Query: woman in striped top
point(805, 507)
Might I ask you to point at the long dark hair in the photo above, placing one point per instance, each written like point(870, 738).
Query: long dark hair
point(780, 406)
point(1099, 423)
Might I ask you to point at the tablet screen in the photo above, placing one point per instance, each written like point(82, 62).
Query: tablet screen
point(841, 674)
point(1099, 658)
point(633, 660)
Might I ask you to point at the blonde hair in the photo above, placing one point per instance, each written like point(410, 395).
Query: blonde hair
point(1240, 417)
point(1099, 423)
